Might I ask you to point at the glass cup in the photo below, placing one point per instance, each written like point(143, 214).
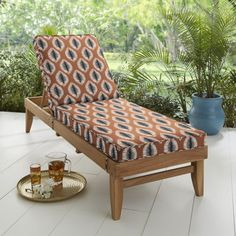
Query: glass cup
point(56, 167)
point(35, 175)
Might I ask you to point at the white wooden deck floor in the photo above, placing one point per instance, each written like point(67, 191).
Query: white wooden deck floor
point(164, 208)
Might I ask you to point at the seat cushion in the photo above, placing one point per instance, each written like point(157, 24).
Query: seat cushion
point(73, 69)
point(125, 131)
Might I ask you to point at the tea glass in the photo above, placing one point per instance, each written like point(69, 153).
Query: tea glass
point(56, 167)
point(35, 175)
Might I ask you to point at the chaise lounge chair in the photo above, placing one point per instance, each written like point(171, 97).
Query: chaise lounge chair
point(81, 103)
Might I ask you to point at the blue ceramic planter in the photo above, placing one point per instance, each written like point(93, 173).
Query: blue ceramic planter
point(207, 114)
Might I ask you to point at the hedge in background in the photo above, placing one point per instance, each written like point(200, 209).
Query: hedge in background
point(19, 78)
point(227, 88)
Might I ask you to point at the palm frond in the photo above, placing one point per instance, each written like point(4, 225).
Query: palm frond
point(142, 79)
point(146, 56)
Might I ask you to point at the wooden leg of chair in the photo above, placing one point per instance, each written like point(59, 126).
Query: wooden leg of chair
point(198, 177)
point(116, 196)
point(28, 120)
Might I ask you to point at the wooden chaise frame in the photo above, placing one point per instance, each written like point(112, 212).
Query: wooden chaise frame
point(121, 173)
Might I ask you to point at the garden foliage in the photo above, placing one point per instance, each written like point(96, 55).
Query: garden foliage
point(19, 78)
point(158, 75)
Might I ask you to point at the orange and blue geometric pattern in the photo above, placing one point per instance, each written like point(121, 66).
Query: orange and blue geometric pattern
point(125, 131)
point(83, 96)
point(73, 69)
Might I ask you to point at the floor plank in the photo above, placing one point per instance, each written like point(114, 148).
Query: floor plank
point(12, 208)
point(131, 224)
point(163, 208)
point(146, 195)
point(40, 219)
point(232, 150)
point(213, 214)
point(79, 222)
point(171, 211)
point(12, 154)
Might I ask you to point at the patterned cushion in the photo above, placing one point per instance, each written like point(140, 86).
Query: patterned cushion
point(125, 131)
point(73, 69)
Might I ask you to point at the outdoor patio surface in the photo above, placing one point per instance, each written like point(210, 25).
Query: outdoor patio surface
point(164, 208)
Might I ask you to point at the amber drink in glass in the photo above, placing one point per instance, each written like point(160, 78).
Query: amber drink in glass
point(56, 167)
point(35, 175)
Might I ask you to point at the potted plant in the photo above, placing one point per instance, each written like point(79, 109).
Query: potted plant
point(206, 37)
point(191, 58)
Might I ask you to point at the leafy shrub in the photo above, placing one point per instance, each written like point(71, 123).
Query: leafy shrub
point(19, 78)
point(227, 88)
point(151, 100)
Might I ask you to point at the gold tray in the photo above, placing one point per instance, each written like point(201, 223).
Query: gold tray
point(73, 183)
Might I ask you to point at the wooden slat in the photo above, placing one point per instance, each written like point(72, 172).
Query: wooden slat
point(44, 100)
point(47, 110)
point(37, 100)
point(158, 162)
point(158, 176)
point(31, 104)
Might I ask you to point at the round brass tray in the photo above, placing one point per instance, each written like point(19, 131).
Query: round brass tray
point(73, 183)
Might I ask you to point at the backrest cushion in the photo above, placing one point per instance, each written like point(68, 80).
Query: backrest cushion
point(73, 69)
